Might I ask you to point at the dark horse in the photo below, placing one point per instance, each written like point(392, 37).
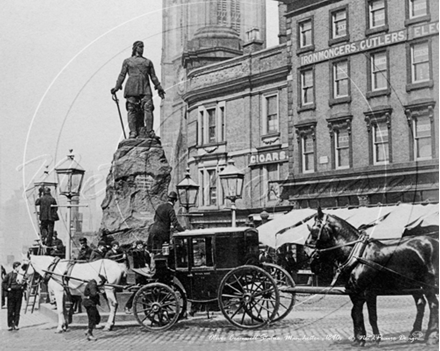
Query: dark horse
point(371, 267)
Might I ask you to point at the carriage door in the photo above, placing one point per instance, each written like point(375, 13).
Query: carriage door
point(202, 275)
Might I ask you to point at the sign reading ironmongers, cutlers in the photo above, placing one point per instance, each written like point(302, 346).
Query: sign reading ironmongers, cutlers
point(268, 157)
point(399, 36)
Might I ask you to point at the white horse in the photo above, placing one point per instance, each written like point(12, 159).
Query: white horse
point(109, 271)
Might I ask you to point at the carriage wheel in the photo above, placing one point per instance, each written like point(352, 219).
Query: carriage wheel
point(156, 307)
point(283, 280)
point(248, 297)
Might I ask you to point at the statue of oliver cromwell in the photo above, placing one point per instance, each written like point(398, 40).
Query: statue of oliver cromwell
point(138, 91)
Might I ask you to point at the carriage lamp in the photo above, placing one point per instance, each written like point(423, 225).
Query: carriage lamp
point(70, 177)
point(187, 191)
point(231, 179)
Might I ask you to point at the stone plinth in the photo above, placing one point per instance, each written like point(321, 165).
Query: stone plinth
point(136, 184)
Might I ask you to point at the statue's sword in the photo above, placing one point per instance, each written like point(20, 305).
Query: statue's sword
point(115, 99)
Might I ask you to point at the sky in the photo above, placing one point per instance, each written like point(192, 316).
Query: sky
point(59, 60)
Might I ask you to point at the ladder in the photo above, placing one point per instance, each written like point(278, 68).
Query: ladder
point(33, 292)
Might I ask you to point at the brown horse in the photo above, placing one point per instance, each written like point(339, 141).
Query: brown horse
point(371, 267)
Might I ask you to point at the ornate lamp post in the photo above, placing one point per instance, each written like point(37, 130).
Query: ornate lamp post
point(187, 191)
point(70, 177)
point(231, 179)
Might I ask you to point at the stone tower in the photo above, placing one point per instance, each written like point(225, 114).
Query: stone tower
point(197, 33)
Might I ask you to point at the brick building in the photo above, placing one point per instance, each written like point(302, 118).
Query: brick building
point(362, 102)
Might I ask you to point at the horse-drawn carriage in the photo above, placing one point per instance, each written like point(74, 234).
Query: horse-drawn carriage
point(217, 267)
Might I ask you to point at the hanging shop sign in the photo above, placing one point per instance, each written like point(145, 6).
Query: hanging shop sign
point(399, 36)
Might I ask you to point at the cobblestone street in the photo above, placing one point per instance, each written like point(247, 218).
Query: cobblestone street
point(316, 323)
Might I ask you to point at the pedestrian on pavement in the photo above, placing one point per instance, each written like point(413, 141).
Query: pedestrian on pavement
point(160, 230)
point(48, 215)
point(15, 285)
point(3, 288)
point(138, 92)
point(99, 253)
point(90, 301)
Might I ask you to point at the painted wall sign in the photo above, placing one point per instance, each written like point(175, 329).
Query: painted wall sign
point(413, 32)
point(268, 157)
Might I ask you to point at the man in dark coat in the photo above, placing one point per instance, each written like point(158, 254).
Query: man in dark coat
point(3, 288)
point(115, 253)
point(90, 301)
point(99, 253)
point(138, 91)
point(163, 219)
point(48, 215)
point(14, 288)
point(85, 251)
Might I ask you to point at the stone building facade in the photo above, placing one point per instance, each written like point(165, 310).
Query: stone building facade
point(226, 99)
point(362, 102)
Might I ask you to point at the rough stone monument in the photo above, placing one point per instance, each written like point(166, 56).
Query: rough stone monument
point(136, 184)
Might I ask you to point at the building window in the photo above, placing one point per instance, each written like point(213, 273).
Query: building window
point(379, 71)
point(339, 23)
point(340, 79)
point(340, 134)
point(212, 188)
point(209, 183)
point(422, 138)
point(272, 174)
point(420, 118)
point(270, 118)
point(342, 148)
point(417, 11)
point(306, 138)
point(212, 122)
point(417, 8)
point(305, 35)
point(420, 62)
point(379, 128)
point(380, 143)
point(376, 10)
point(222, 12)
point(222, 124)
point(307, 87)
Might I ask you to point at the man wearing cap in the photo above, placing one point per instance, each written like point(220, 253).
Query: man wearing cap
point(48, 215)
point(85, 251)
point(14, 288)
point(99, 253)
point(163, 219)
point(138, 91)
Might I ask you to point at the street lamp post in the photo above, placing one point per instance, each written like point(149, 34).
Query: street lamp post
point(187, 190)
point(232, 179)
point(70, 177)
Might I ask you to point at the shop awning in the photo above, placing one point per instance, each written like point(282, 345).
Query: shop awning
point(381, 222)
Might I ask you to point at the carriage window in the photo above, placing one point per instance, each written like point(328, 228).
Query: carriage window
point(227, 251)
point(202, 252)
point(181, 247)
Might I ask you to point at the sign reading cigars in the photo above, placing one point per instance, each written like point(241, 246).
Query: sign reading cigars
point(399, 36)
point(268, 157)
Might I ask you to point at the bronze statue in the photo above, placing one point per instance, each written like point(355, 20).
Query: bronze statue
point(138, 91)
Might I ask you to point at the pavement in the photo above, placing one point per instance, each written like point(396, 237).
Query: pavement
point(317, 322)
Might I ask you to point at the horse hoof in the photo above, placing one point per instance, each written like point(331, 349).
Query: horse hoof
point(415, 336)
point(432, 339)
point(108, 328)
point(58, 331)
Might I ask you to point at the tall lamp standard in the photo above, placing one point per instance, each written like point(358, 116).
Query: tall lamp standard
point(232, 179)
point(70, 177)
point(187, 190)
